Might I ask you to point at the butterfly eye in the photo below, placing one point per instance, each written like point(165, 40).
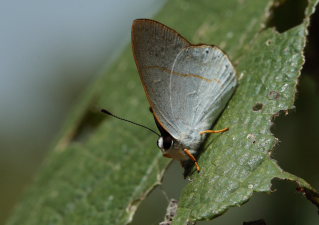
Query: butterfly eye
point(165, 142)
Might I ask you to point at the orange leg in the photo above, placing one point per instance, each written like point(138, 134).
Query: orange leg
point(214, 131)
point(190, 155)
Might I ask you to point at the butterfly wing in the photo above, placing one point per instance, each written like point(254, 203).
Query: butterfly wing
point(155, 48)
point(201, 83)
point(187, 86)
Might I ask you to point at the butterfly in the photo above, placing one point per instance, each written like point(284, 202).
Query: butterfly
point(187, 86)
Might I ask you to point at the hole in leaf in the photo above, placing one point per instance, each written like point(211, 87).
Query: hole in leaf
point(268, 42)
point(90, 121)
point(286, 14)
point(258, 107)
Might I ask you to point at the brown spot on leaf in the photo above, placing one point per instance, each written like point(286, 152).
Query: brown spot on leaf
point(258, 107)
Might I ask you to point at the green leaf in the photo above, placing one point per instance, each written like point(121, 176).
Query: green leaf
point(101, 168)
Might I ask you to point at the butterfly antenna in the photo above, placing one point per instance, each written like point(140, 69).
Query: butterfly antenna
point(111, 114)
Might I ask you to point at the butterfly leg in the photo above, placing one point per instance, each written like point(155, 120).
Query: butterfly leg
point(214, 131)
point(190, 155)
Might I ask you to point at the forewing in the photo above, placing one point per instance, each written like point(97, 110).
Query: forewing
point(202, 81)
point(155, 48)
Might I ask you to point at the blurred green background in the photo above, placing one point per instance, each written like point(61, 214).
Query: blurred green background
point(37, 117)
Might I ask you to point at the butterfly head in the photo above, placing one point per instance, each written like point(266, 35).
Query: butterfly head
point(171, 148)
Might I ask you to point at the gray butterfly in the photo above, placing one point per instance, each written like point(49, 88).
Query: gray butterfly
point(186, 85)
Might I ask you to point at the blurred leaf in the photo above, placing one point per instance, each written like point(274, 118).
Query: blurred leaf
point(102, 168)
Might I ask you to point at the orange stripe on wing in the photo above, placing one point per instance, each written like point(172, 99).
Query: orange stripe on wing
point(182, 74)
